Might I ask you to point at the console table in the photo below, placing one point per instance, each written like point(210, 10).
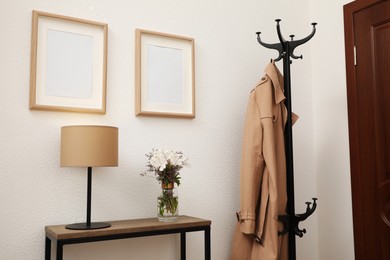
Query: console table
point(128, 229)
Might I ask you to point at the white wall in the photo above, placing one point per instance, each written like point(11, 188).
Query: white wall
point(331, 145)
point(35, 191)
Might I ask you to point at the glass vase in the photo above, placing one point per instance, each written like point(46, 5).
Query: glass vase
point(168, 203)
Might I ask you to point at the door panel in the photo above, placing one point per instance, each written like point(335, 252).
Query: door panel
point(367, 36)
point(381, 59)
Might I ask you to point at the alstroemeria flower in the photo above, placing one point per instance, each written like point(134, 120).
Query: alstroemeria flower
point(166, 165)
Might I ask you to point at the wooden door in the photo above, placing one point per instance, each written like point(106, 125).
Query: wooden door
point(367, 46)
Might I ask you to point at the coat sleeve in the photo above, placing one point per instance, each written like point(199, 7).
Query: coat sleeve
point(252, 165)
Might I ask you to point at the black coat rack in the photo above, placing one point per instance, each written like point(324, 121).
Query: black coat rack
point(290, 220)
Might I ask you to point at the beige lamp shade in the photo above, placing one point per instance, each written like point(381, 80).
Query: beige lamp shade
point(89, 146)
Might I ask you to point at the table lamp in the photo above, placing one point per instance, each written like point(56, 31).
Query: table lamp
point(89, 146)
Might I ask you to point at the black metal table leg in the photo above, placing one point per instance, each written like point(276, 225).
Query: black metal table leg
point(60, 247)
point(207, 244)
point(47, 248)
point(183, 246)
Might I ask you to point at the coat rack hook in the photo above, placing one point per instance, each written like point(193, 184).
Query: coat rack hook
point(283, 45)
point(275, 46)
point(294, 44)
point(280, 36)
point(292, 222)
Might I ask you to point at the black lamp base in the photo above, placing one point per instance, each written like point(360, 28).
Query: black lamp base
point(84, 226)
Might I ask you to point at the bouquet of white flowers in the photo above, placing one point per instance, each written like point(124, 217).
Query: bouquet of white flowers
point(166, 164)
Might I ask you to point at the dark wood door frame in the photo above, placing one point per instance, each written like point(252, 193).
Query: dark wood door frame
point(356, 183)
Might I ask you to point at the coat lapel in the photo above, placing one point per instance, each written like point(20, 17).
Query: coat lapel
point(277, 81)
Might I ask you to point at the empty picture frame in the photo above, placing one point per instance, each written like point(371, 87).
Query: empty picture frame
point(165, 80)
point(68, 64)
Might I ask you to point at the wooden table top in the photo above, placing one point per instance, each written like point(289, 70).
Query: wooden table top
point(59, 232)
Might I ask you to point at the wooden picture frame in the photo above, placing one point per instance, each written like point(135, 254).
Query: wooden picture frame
point(68, 69)
point(165, 75)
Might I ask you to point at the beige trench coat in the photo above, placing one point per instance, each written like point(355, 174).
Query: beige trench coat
point(263, 174)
